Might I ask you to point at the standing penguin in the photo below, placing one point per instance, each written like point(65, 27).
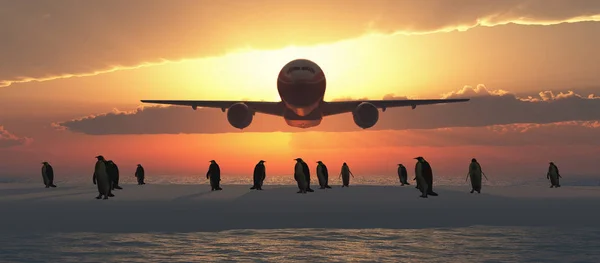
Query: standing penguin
point(101, 178)
point(322, 175)
point(259, 175)
point(48, 175)
point(113, 174)
point(306, 171)
point(553, 175)
point(139, 174)
point(214, 174)
point(421, 182)
point(345, 175)
point(475, 173)
point(299, 176)
point(402, 175)
point(428, 175)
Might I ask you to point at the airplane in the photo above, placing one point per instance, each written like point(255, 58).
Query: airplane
point(301, 86)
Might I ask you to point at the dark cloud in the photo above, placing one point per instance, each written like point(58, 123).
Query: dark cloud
point(8, 139)
point(45, 39)
point(485, 108)
point(511, 135)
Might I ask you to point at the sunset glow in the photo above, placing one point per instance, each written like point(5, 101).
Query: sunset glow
point(72, 79)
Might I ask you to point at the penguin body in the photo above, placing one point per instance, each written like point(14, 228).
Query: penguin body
point(421, 182)
point(323, 175)
point(300, 177)
point(402, 175)
point(140, 174)
point(259, 175)
point(345, 172)
point(48, 175)
point(214, 174)
point(101, 179)
point(428, 176)
point(475, 173)
point(553, 175)
point(306, 172)
point(113, 173)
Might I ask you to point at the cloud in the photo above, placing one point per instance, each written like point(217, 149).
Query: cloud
point(8, 139)
point(486, 108)
point(574, 133)
point(45, 39)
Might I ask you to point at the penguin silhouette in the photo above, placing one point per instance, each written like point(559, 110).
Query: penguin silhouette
point(402, 175)
point(475, 173)
point(48, 175)
point(299, 176)
point(214, 174)
point(140, 174)
point(345, 175)
point(101, 179)
point(259, 175)
point(553, 175)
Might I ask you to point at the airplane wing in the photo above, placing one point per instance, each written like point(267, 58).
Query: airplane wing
point(338, 107)
point(266, 107)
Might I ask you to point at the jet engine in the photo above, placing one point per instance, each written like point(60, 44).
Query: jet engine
point(239, 115)
point(365, 115)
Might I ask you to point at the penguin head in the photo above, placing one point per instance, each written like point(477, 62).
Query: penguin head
point(298, 159)
point(139, 165)
point(100, 157)
point(212, 161)
point(420, 159)
point(400, 165)
point(473, 160)
point(344, 164)
point(44, 163)
point(319, 162)
point(109, 161)
point(261, 161)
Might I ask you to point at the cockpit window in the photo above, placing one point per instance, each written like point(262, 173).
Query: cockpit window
point(309, 69)
point(291, 69)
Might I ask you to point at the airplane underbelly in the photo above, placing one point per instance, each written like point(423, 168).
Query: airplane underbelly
point(311, 120)
point(304, 124)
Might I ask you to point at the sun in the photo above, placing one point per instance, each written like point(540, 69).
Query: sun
point(354, 69)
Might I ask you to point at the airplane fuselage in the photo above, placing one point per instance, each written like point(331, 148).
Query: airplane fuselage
point(301, 85)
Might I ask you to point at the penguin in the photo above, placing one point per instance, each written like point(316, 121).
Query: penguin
point(322, 175)
point(259, 175)
point(553, 175)
point(299, 176)
point(48, 175)
point(139, 174)
point(475, 173)
point(101, 178)
point(345, 175)
point(402, 175)
point(428, 175)
point(306, 171)
point(113, 173)
point(214, 174)
point(421, 182)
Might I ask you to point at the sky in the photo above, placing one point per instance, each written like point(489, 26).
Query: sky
point(72, 74)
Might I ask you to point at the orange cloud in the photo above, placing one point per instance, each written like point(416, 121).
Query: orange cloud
point(487, 107)
point(60, 39)
point(8, 139)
